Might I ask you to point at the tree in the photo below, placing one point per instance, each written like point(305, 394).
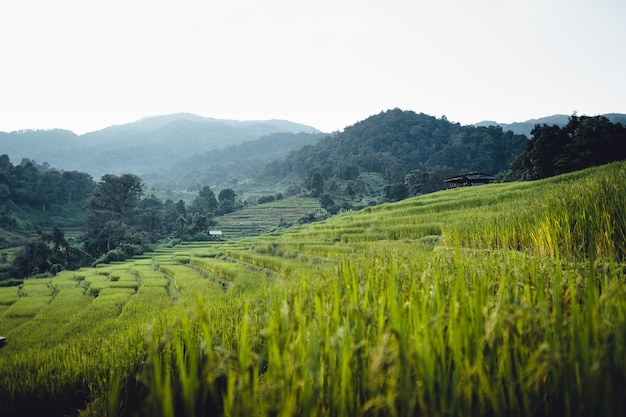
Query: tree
point(415, 181)
point(351, 188)
point(171, 213)
point(326, 201)
point(60, 248)
point(151, 202)
point(583, 142)
point(33, 258)
point(395, 192)
point(76, 186)
point(118, 194)
point(5, 164)
point(226, 201)
point(436, 176)
point(23, 181)
point(538, 160)
point(227, 194)
point(226, 206)
point(205, 203)
point(111, 210)
point(151, 220)
point(207, 194)
point(48, 188)
point(315, 183)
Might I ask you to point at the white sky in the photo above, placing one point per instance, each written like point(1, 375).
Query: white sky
point(84, 64)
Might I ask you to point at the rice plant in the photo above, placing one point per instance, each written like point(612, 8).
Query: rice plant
point(498, 300)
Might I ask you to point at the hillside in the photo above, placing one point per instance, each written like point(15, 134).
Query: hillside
point(142, 147)
point(395, 143)
point(505, 299)
point(229, 165)
point(267, 217)
point(36, 197)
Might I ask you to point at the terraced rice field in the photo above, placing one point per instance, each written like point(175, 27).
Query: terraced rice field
point(508, 299)
point(264, 218)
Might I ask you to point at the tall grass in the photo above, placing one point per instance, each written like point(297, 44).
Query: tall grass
point(517, 306)
point(448, 333)
point(573, 217)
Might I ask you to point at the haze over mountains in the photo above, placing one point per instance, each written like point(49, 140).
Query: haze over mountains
point(143, 147)
point(174, 151)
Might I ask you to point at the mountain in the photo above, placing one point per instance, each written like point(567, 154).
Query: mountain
point(145, 146)
point(225, 166)
point(396, 142)
point(37, 144)
point(524, 128)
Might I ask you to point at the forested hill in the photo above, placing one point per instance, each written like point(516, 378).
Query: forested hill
point(141, 147)
point(227, 166)
point(396, 142)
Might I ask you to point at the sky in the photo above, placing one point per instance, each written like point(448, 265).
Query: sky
point(84, 65)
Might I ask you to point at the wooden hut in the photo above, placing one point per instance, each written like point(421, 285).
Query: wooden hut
point(466, 180)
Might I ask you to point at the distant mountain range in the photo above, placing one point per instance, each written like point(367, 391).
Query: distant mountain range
point(143, 147)
point(179, 150)
point(524, 128)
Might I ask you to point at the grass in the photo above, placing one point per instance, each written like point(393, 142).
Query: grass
point(507, 299)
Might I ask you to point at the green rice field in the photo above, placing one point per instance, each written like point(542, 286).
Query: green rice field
point(499, 300)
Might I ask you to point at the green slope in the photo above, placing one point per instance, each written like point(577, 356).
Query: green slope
point(506, 299)
point(263, 218)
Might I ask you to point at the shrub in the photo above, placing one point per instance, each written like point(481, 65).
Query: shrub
point(11, 282)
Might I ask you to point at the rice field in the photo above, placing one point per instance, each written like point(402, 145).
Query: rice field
point(507, 299)
point(263, 218)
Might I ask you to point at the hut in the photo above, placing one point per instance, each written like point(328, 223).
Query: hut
point(466, 180)
point(216, 234)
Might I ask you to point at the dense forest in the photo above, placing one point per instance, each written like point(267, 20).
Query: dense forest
point(39, 193)
point(560, 120)
point(398, 143)
point(37, 200)
point(583, 142)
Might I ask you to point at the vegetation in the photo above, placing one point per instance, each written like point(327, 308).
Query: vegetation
point(582, 143)
point(36, 195)
point(229, 166)
point(396, 144)
point(526, 127)
point(387, 157)
point(114, 218)
point(37, 203)
point(505, 299)
point(157, 148)
point(268, 216)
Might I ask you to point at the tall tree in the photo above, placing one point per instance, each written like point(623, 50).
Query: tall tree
point(326, 201)
point(33, 258)
point(205, 203)
point(111, 209)
point(226, 201)
point(227, 194)
point(118, 194)
point(76, 186)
